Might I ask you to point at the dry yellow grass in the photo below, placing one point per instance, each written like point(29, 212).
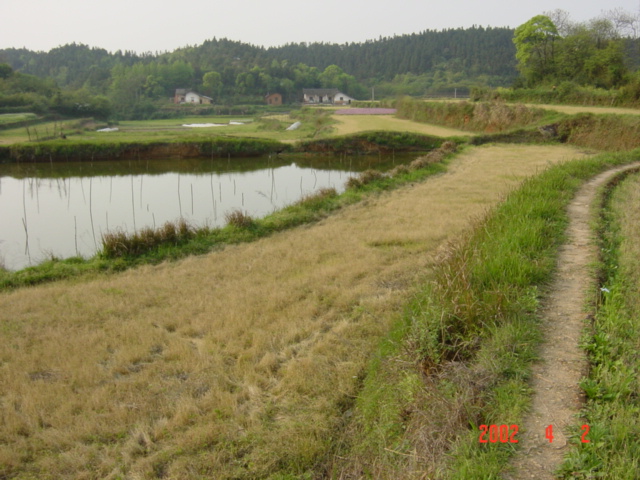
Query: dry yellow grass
point(573, 109)
point(629, 217)
point(234, 364)
point(348, 124)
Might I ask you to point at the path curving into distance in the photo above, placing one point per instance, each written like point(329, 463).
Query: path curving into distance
point(557, 395)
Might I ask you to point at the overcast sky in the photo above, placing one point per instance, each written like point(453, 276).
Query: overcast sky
point(156, 26)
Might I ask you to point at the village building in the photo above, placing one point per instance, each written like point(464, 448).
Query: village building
point(273, 99)
point(331, 96)
point(183, 95)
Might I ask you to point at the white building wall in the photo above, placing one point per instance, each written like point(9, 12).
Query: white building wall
point(192, 97)
point(342, 99)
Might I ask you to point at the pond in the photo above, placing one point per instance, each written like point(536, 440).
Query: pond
point(61, 210)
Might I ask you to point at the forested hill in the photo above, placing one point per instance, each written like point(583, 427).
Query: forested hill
point(75, 79)
point(472, 52)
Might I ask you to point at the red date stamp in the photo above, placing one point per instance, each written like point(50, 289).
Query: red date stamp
point(507, 434)
point(498, 433)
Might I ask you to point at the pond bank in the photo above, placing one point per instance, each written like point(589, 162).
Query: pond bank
point(214, 147)
point(69, 150)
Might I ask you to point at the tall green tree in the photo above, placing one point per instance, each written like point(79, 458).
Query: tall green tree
point(212, 83)
point(535, 48)
point(5, 70)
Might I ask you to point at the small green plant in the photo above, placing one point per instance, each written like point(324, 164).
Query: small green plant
point(269, 124)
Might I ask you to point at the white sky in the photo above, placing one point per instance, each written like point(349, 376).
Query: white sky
point(146, 25)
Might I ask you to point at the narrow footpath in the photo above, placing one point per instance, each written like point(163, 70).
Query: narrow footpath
point(558, 398)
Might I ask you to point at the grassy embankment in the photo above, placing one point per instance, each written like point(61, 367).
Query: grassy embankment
point(81, 151)
point(500, 122)
point(8, 120)
point(461, 355)
point(613, 387)
point(566, 93)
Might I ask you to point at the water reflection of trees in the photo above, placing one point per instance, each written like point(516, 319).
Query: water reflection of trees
point(196, 166)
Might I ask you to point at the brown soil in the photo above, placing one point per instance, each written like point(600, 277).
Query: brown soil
point(557, 396)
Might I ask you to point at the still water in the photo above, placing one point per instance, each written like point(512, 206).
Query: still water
point(61, 210)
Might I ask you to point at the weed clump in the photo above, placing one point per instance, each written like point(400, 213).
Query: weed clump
point(319, 197)
point(364, 178)
point(119, 243)
point(435, 156)
point(238, 218)
point(399, 170)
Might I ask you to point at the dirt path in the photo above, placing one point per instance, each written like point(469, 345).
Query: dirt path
point(558, 397)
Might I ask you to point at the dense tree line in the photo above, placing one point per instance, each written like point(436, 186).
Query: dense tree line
point(475, 51)
point(76, 79)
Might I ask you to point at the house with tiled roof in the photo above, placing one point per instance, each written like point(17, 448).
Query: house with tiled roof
point(320, 96)
point(273, 99)
point(183, 95)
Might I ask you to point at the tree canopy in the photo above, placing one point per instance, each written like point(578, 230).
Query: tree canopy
point(592, 53)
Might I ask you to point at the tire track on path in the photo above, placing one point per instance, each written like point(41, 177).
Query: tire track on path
point(558, 398)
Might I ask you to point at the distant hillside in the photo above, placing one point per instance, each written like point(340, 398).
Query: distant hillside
point(470, 52)
point(75, 79)
point(474, 51)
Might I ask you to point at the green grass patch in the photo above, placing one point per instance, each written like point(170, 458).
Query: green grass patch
point(80, 150)
point(461, 355)
point(12, 118)
point(371, 142)
point(613, 386)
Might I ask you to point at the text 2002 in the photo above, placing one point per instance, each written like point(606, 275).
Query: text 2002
point(498, 433)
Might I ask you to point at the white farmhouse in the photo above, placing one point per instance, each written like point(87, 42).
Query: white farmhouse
point(331, 96)
point(189, 96)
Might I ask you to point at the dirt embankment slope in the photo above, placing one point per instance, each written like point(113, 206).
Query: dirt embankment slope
point(236, 362)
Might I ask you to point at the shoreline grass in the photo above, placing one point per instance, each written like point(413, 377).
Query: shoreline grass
point(146, 247)
point(460, 356)
point(612, 388)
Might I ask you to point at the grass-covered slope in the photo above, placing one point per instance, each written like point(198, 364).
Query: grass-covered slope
point(460, 357)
